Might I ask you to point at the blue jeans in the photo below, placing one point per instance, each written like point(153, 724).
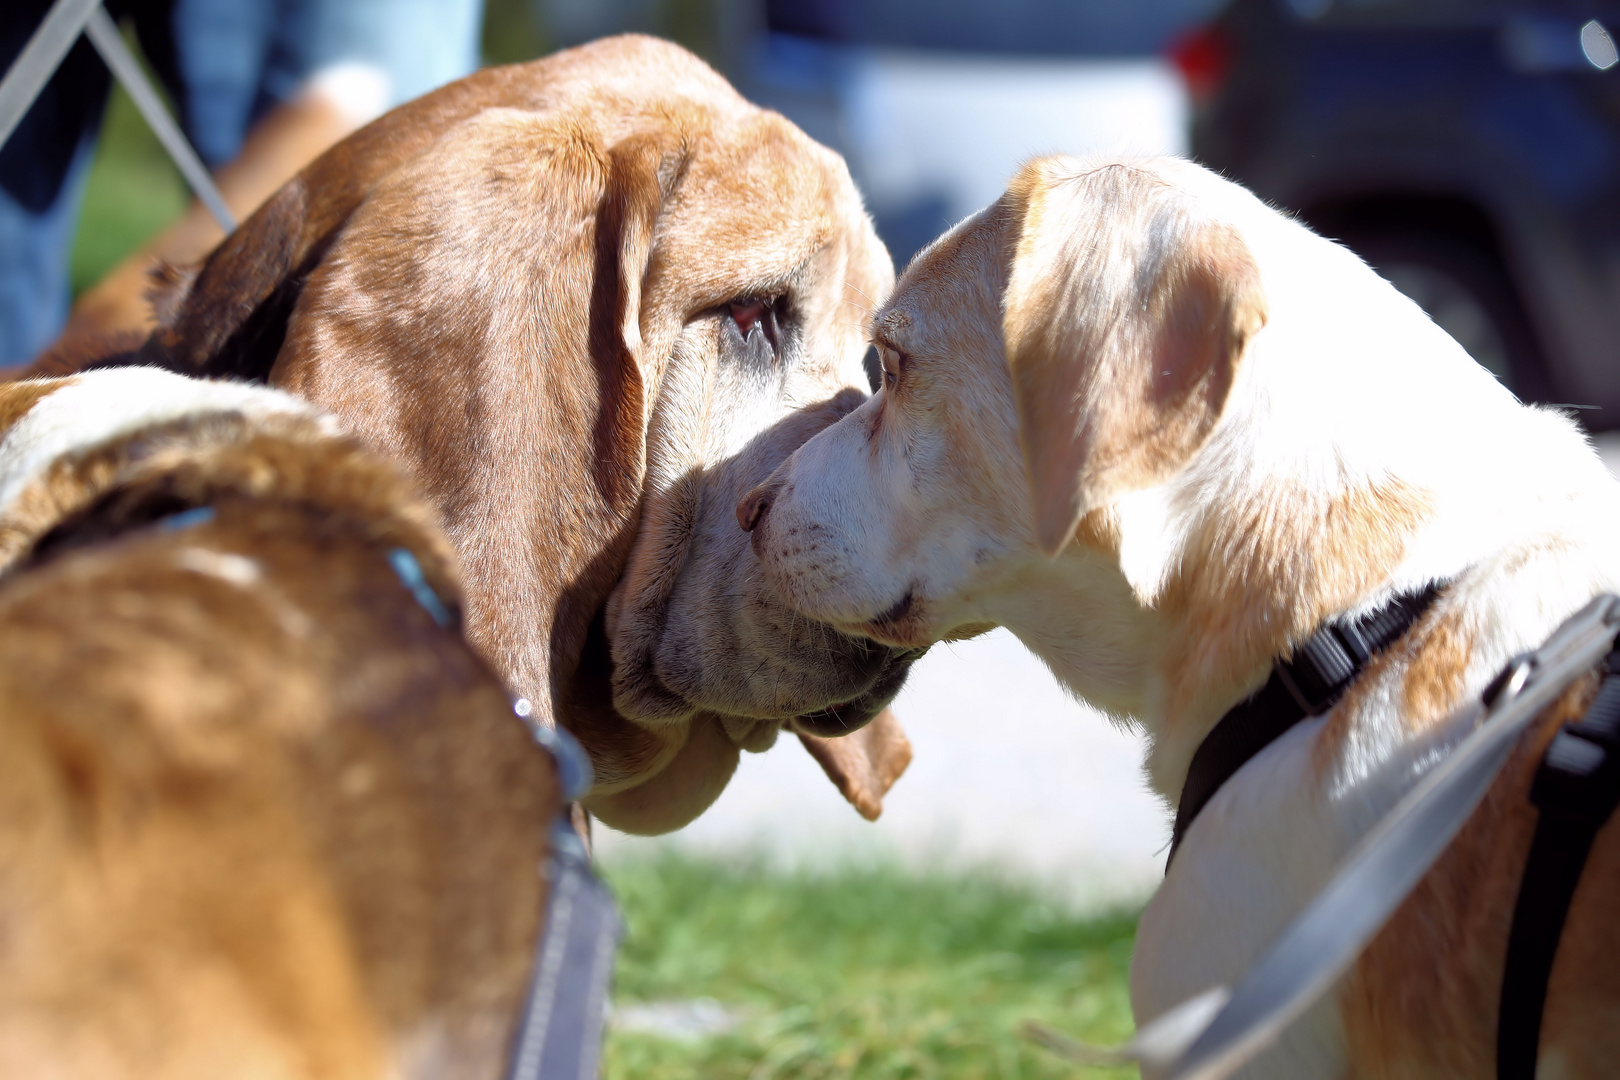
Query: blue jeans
point(227, 63)
point(36, 248)
point(238, 58)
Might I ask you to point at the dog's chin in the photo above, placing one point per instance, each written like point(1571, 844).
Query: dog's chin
point(844, 699)
point(849, 716)
point(905, 624)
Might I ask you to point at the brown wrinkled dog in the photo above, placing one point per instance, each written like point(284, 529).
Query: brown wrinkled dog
point(587, 302)
point(261, 815)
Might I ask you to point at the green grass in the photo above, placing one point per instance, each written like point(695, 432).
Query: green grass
point(867, 973)
point(133, 191)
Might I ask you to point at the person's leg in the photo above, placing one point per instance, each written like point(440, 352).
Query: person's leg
point(36, 255)
point(412, 46)
point(220, 52)
point(328, 67)
point(43, 166)
point(221, 49)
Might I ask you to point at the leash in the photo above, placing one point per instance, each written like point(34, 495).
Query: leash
point(559, 1036)
point(1576, 790)
point(1305, 685)
point(1213, 1034)
point(45, 52)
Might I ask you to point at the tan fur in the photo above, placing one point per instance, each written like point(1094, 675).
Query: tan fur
point(1099, 529)
point(866, 764)
point(1432, 662)
point(1116, 405)
point(197, 460)
point(17, 399)
point(1422, 999)
point(1259, 579)
point(1434, 680)
point(504, 286)
point(259, 815)
point(683, 788)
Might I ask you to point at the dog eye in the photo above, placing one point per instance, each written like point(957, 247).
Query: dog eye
point(892, 364)
point(874, 368)
point(747, 313)
point(758, 323)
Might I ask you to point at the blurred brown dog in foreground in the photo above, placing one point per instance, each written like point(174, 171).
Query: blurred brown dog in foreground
point(263, 813)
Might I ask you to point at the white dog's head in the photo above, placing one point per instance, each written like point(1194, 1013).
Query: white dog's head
point(1073, 342)
point(1155, 427)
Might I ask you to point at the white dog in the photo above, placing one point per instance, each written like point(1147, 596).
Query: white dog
point(1166, 434)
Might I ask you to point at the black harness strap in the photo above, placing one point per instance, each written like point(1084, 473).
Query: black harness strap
point(1576, 790)
point(1303, 686)
point(559, 1034)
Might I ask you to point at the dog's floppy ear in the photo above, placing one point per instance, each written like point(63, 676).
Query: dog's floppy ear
point(1127, 310)
point(227, 317)
point(477, 316)
point(864, 764)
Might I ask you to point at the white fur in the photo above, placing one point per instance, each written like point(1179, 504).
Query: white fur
point(1347, 386)
point(98, 406)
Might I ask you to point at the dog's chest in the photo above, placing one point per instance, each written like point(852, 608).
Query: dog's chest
point(1256, 854)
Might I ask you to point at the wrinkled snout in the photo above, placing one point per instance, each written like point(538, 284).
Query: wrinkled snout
point(726, 640)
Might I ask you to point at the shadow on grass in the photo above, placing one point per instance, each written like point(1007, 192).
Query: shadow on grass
point(862, 973)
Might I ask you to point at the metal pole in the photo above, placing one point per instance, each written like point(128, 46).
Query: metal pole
point(39, 60)
point(103, 34)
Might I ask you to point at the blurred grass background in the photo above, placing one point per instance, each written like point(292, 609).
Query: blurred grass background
point(133, 191)
point(867, 973)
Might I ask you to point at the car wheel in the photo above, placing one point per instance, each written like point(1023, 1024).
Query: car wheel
point(1465, 290)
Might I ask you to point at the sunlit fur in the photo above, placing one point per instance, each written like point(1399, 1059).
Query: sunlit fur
point(261, 815)
point(1228, 430)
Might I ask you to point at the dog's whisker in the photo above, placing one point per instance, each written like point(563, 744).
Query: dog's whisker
point(858, 289)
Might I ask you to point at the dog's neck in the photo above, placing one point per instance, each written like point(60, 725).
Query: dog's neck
point(1309, 502)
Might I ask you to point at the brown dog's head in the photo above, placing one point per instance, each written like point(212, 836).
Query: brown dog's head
point(589, 302)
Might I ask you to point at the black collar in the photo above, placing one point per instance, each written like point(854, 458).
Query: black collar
point(1306, 685)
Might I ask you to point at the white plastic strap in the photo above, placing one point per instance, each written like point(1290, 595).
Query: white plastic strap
point(44, 54)
point(1213, 1034)
point(39, 60)
point(1325, 939)
point(103, 34)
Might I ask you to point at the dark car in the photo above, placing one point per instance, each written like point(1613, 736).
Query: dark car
point(1468, 149)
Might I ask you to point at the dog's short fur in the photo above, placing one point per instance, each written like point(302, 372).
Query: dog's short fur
point(1163, 432)
point(260, 814)
point(588, 302)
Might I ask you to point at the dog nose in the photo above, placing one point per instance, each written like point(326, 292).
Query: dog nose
point(753, 506)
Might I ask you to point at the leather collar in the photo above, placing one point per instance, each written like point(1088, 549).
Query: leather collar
point(1305, 685)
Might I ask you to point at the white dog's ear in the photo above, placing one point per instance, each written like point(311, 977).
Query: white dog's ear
point(1126, 313)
